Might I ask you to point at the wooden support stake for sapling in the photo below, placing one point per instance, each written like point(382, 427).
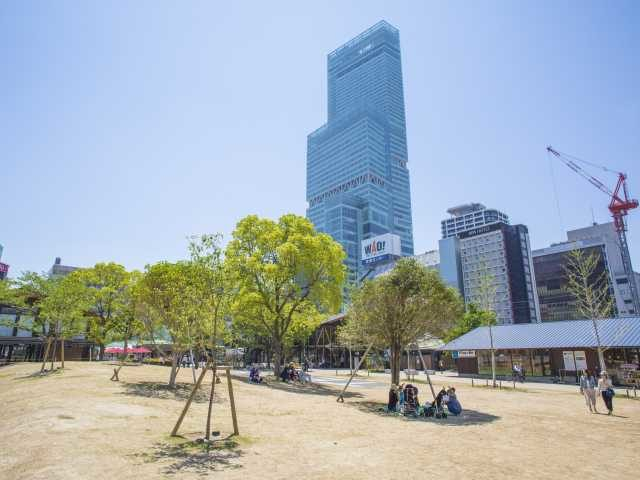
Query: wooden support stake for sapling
point(174, 432)
point(53, 355)
point(341, 396)
point(232, 401)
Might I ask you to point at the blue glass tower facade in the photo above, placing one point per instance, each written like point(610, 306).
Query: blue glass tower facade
point(357, 177)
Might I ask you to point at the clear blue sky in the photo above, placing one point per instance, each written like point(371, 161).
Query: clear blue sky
point(126, 126)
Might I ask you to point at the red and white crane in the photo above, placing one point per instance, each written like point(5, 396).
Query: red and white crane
point(619, 206)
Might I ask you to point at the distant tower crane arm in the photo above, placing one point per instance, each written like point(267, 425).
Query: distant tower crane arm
point(619, 206)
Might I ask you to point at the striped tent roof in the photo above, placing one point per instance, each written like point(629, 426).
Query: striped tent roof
point(614, 332)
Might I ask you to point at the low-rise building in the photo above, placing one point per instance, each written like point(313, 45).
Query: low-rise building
point(59, 270)
point(552, 349)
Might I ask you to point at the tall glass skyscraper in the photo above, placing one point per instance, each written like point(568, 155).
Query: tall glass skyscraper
point(357, 177)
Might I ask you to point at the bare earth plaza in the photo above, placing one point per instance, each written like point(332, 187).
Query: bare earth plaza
point(287, 431)
point(363, 239)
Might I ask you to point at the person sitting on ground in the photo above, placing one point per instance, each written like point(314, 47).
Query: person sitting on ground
point(437, 405)
point(439, 398)
point(392, 405)
point(453, 405)
point(410, 400)
point(293, 374)
point(284, 375)
point(254, 375)
point(401, 398)
point(303, 376)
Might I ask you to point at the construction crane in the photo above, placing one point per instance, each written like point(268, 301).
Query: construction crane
point(619, 206)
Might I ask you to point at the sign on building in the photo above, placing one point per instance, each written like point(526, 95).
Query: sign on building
point(4, 270)
point(380, 248)
point(574, 361)
point(464, 354)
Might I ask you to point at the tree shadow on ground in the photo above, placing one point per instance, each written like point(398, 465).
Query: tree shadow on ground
point(39, 374)
point(196, 457)
point(301, 388)
point(181, 391)
point(466, 418)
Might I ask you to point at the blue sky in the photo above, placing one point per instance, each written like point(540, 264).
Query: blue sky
point(126, 126)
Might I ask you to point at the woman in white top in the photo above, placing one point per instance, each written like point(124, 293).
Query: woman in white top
point(606, 390)
point(588, 385)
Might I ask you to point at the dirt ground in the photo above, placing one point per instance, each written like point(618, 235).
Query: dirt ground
point(77, 424)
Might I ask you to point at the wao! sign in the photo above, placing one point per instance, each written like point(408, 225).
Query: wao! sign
point(380, 248)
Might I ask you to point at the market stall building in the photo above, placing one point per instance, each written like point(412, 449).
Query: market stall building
point(558, 350)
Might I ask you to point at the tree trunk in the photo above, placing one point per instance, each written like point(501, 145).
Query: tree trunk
point(174, 369)
point(123, 359)
point(62, 351)
point(603, 367)
point(126, 346)
point(493, 368)
point(493, 359)
point(213, 391)
point(46, 355)
point(193, 365)
point(214, 353)
point(396, 350)
point(277, 357)
point(101, 354)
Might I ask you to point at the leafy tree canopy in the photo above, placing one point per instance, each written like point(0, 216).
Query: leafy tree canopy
point(396, 309)
point(287, 275)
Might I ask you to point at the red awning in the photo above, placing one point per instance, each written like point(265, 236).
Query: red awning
point(129, 350)
point(140, 350)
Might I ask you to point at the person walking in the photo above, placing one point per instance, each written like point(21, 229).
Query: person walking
point(588, 384)
point(605, 387)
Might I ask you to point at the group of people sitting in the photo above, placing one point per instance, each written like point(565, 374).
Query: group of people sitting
point(254, 375)
point(403, 399)
point(290, 374)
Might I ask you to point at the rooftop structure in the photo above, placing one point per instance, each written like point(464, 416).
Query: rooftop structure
point(614, 332)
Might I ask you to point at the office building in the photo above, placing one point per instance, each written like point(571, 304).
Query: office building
point(497, 272)
point(430, 259)
point(550, 264)
point(606, 233)
point(468, 216)
point(489, 262)
point(357, 176)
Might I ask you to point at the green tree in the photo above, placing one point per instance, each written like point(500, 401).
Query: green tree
point(591, 290)
point(472, 318)
point(214, 291)
point(485, 295)
point(31, 289)
point(63, 309)
point(394, 310)
point(7, 292)
point(287, 275)
point(127, 323)
point(169, 293)
point(105, 284)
